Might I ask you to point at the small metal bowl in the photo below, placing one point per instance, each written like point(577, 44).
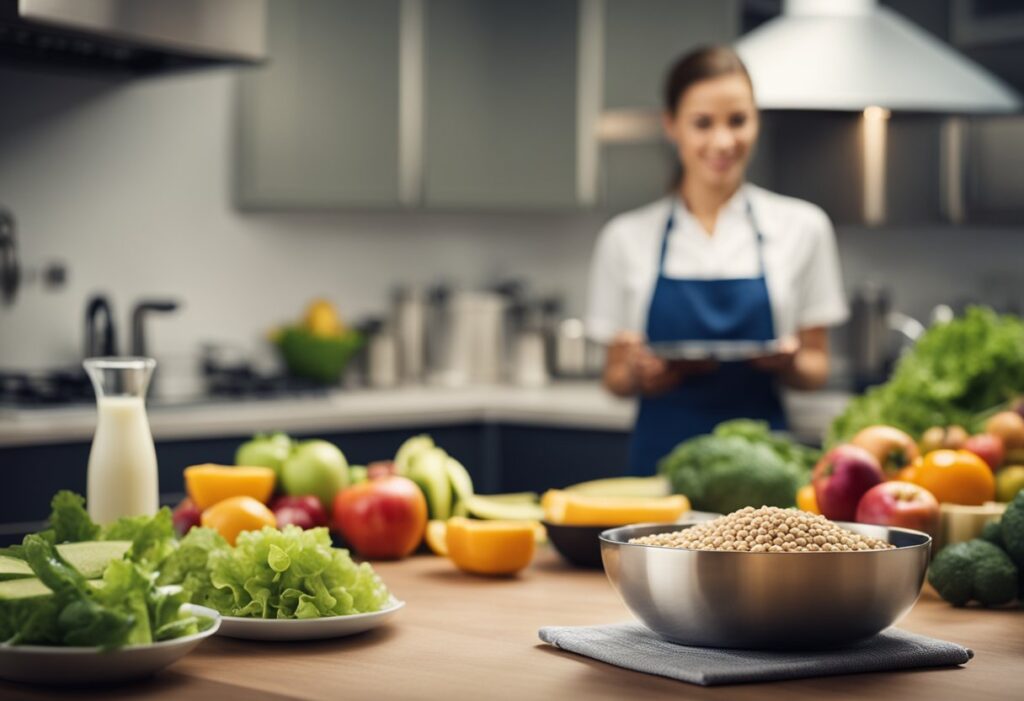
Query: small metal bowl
point(766, 601)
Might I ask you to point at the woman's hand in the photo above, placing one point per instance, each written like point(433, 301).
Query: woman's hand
point(632, 368)
point(802, 361)
point(781, 361)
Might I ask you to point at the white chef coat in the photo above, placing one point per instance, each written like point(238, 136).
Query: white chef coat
point(800, 260)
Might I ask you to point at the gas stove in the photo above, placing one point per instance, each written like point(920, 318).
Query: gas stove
point(44, 388)
point(64, 387)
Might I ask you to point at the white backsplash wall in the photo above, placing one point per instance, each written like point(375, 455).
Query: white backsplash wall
point(130, 183)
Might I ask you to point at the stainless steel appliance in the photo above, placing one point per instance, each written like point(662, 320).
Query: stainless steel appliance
point(132, 35)
point(877, 334)
point(474, 348)
point(410, 324)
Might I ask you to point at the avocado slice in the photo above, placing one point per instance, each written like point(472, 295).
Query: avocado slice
point(31, 587)
point(409, 450)
point(16, 589)
point(656, 486)
point(13, 568)
point(485, 508)
point(429, 471)
point(91, 557)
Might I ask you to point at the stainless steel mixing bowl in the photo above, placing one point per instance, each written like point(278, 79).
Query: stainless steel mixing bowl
point(764, 601)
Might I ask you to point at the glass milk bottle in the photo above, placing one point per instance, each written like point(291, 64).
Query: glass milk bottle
point(122, 477)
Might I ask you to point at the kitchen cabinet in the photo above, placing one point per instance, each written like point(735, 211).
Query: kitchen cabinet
point(641, 40)
point(499, 457)
point(500, 104)
point(995, 160)
point(317, 126)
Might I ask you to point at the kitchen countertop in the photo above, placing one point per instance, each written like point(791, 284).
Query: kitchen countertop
point(564, 404)
point(466, 637)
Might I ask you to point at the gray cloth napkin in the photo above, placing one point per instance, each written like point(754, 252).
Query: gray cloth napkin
point(633, 646)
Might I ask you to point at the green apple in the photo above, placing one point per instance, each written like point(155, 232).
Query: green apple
point(1009, 481)
point(315, 467)
point(265, 450)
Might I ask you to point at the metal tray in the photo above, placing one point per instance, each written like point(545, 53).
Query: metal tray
point(715, 350)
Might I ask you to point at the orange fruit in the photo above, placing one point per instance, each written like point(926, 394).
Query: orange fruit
point(209, 484)
point(806, 500)
point(955, 477)
point(436, 536)
point(233, 515)
point(490, 547)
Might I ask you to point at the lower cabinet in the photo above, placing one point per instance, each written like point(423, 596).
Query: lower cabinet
point(500, 458)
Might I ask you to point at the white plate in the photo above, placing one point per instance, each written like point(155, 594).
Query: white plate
point(307, 628)
point(43, 664)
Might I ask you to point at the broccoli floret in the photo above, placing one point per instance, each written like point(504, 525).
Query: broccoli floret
point(726, 473)
point(952, 574)
point(1011, 529)
point(991, 533)
point(977, 570)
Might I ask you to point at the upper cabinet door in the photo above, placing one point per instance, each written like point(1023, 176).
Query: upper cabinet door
point(500, 104)
point(644, 37)
point(318, 124)
point(640, 41)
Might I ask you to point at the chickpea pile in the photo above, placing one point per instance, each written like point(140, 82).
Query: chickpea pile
point(768, 529)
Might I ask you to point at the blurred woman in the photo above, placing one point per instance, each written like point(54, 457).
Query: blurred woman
point(719, 259)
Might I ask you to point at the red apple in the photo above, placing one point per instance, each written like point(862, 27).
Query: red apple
point(185, 516)
point(988, 447)
point(893, 448)
point(900, 504)
point(382, 518)
point(308, 503)
point(840, 479)
point(293, 515)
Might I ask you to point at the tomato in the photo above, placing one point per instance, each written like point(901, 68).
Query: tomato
point(954, 477)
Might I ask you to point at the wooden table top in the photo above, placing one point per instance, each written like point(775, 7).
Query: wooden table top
point(466, 637)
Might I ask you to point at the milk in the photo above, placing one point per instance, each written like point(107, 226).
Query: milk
point(122, 463)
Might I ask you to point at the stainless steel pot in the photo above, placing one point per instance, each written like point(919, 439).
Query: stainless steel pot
point(474, 351)
point(766, 600)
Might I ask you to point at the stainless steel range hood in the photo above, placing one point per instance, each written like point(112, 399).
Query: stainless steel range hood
point(138, 36)
point(853, 54)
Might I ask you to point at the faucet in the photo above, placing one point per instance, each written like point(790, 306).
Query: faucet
point(139, 313)
point(106, 346)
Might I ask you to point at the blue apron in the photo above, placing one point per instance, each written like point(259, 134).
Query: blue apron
point(685, 309)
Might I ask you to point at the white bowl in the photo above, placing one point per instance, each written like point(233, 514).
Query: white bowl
point(45, 664)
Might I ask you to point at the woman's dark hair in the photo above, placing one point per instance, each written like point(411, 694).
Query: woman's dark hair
point(700, 64)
